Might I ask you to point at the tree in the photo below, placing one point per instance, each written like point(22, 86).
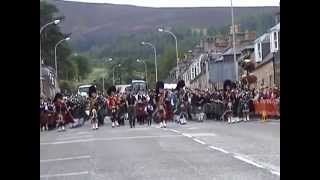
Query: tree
point(82, 65)
point(49, 37)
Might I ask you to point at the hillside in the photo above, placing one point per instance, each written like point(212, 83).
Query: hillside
point(97, 24)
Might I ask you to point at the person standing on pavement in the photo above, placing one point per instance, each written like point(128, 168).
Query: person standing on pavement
point(131, 103)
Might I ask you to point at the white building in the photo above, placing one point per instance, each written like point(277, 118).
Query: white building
point(274, 38)
point(261, 47)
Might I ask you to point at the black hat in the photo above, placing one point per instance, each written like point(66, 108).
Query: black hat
point(111, 89)
point(159, 85)
point(92, 89)
point(58, 96)
point(180, 85)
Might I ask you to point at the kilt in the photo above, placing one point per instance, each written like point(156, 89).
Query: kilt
point(43, 118)
point(68, 118)
point(114, 114)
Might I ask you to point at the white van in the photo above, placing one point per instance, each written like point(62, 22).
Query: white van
point(84, 90)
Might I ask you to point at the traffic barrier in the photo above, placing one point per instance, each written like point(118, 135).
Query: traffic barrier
point(270, 107)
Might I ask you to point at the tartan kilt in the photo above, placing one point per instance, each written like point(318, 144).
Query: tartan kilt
point(43, 118)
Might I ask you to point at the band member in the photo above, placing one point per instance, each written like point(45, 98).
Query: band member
point(245, 108)
point(113, 105)
point(93, 104)
point(61, 110)
point(43, 116)
point(150, 112)
point(160, 103)
point(180, 108)
point(122, 109)
point(168, 106)
point(140, 109)
point(131, 102)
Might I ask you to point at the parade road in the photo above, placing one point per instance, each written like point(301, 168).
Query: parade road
point(197, 151)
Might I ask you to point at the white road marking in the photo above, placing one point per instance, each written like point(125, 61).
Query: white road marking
point(187, 135)
point(75, 137)
point(219, 149)
point(197, 140)
point(193, 128)
point(106, 139)
point(248, 161)
point(65, 174)
point(173, 130)
point(275, 172)
point(64, 159)
point(202, 134)
point(83, 133)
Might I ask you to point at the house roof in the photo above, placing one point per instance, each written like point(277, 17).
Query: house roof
point(230, 51)
point(248, 47)
point(264, 38)
point(275, 28)
point(266, 60)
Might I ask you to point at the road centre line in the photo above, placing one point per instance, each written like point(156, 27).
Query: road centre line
point(219, 149)
point(199, 141)
point(275, 172)
point(106, 139)
point(64, 159)
point(187, 135)
point(248, 161)
point(65, 174)
point(235, 155)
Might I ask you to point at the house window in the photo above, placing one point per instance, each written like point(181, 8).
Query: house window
point(270, 81)
point(192, 72)
point(259, 50)
point(275, 40)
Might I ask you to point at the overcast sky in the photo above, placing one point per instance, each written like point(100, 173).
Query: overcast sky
point(187, 3)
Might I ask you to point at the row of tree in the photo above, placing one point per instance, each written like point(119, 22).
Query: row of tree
point(71, 68)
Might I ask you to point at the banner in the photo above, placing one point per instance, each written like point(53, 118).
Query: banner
point(270, 107)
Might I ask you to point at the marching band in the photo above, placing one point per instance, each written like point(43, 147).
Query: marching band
point(159, 106)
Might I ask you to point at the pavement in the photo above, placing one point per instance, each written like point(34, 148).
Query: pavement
point(196, 151)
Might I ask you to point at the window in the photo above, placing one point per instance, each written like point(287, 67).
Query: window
point(192, 72)
point(275, 40)
point(259, 50)
point(270, 81)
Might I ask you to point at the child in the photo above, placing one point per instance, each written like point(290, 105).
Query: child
point(150, 112)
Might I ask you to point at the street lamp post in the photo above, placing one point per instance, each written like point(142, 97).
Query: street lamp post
point(113, 73)
point(234, 45)
point(175, 38)
point(145, 68)
point(55, 56)
point(41, 29)
point(155, 57)
point(109, 60)
point(247, 61)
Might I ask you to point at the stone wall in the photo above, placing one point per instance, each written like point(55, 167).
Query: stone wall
point(264, 74)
